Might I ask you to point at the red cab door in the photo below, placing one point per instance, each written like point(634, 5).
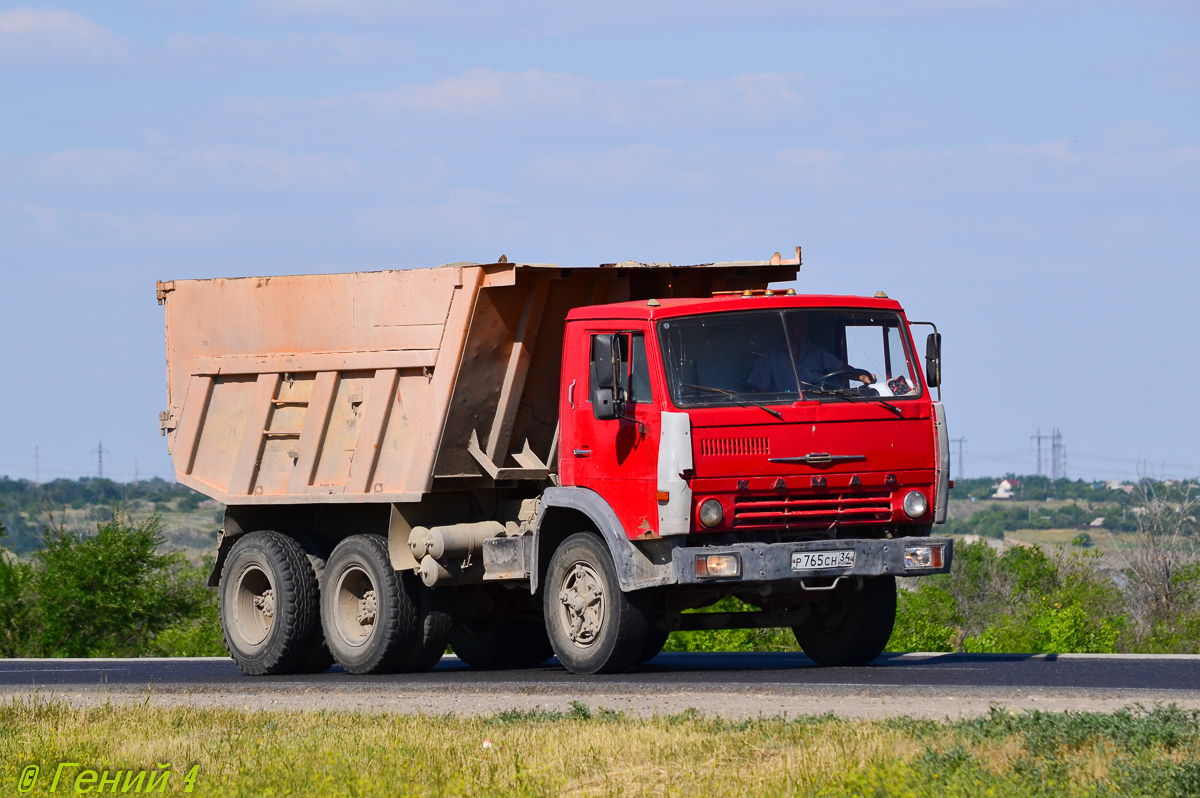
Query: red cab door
point(617, 458)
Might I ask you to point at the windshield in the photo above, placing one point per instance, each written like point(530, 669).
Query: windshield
point(781, 356)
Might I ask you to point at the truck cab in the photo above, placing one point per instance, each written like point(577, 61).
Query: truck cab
point(780, 448)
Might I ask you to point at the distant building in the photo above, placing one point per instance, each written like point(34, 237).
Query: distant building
point(1005, 488)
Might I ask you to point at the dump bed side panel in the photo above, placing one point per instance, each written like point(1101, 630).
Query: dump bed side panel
point(313, 387)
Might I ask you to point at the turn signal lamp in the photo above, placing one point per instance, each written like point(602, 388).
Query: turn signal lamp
point(923, 557)
point(718, 565)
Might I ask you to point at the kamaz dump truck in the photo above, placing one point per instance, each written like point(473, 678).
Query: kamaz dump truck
point(525, 461)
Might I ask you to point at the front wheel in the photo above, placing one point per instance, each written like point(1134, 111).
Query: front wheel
point(852, 626)
point(593, 626)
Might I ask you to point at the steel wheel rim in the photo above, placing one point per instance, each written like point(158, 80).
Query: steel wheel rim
point(581, 604)
point(254, 605)
point(355, 606)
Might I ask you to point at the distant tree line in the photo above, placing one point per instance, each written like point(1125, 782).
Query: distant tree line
point(26, 507)
point(1033, 488)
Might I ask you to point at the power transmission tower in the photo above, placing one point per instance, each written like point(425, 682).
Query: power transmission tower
point(960, 442)
point(100, 459)
point(37, 466)
point(1058, 456)
point(1039, 438)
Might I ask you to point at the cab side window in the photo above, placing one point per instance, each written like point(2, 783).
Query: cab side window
point(634, 371)
point(640, 372)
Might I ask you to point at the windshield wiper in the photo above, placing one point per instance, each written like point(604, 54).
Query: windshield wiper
point(848, 395)
point(733, 395)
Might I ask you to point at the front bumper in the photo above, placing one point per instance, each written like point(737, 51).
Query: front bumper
point(772, 562)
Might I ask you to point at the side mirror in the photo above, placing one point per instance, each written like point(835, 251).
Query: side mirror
point(933, 360)
point(603, 405)
point(605, 362)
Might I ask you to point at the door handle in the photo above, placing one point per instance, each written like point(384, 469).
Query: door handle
point(571, 394)
point(582, 452)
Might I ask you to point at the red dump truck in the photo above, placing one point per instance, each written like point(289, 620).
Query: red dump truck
point(525, 461)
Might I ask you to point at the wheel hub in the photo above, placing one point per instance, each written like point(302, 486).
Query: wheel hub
point(254, 606)
point(581, 604)
point(356, 606)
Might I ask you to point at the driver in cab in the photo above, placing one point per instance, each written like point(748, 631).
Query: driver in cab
point(773, 373)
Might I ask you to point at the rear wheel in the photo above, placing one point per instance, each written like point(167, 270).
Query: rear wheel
point(852, 626)
point(593, 626)
point(368, 610)
point(433, 626)
point(512, 643)
point(317, 549)
point(270, 617)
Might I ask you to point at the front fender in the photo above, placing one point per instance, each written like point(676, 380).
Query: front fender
point(636, 569)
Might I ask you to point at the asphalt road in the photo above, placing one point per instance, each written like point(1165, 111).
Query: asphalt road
point(703, 672)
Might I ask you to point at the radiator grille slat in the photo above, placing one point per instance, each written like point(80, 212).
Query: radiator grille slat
point(812, 510)
point(716, 447)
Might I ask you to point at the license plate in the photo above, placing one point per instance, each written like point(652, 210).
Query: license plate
point(813, 560)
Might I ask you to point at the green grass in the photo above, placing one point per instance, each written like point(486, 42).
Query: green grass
point(582, 752)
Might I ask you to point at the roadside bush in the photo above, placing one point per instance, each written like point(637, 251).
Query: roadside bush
point(193, 637)
point(106, 594)
point(927, 619)
point(15, 610)
point(1022, 600)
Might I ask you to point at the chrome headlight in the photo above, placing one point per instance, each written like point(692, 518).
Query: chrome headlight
point(915, 504)
point(711, 513)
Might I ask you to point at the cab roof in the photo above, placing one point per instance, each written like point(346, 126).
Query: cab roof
point(672, 307)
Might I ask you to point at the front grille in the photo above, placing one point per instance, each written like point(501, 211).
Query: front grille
point(812, 510)
point(712, 447)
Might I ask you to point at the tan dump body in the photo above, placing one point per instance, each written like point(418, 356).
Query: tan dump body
point(385, 386)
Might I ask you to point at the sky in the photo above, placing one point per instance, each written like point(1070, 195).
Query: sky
point(1025, 174)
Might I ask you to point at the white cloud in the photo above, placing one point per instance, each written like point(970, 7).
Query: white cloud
point(293, 51)
point(809, 165)
point(484, 92)
point(1053, 150)
point(471, 214)
point(1180, 67)
point(249, 167)
point(635, 165)
point(566, 15)
point(494, 95)
point(54, 36)
point(1184, 155)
